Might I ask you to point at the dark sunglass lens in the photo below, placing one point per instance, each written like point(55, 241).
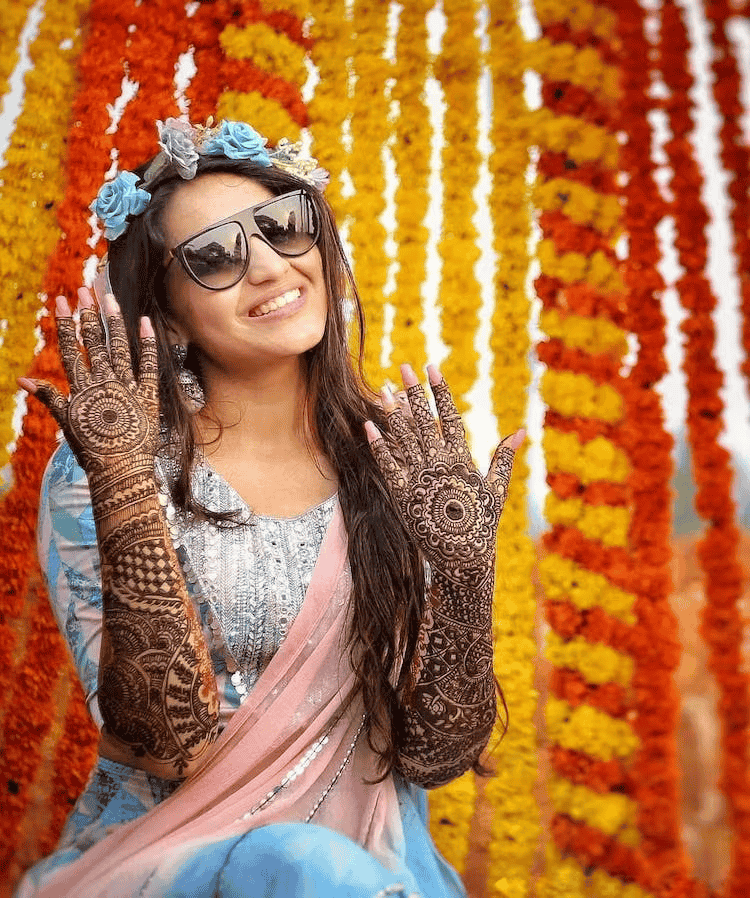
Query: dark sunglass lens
point(218, 257)
point(288, 224)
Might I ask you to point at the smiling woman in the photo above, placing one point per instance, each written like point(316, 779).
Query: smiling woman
point(249, 606)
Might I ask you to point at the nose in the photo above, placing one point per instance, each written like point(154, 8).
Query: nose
point(265, 263)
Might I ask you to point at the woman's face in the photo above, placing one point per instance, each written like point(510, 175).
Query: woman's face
point(277, 310)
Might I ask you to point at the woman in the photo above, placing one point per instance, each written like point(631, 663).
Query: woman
point(198, 501)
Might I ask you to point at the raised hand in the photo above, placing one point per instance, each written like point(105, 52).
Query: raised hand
point(110, 417)
point(449, 711)
point(157, 690)
point(451, 510)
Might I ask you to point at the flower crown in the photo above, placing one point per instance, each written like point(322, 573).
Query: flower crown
point(182, 144)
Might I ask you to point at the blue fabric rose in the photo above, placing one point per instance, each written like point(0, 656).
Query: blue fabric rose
point(237, 140)
point(117, 200)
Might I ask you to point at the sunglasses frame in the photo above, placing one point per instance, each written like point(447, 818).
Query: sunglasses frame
point(245, 219)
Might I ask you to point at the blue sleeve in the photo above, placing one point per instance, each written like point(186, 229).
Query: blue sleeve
point(69, 558)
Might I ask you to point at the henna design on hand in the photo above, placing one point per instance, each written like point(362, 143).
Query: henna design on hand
point(452, 513)
point(157, 690)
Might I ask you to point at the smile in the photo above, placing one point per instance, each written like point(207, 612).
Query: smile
point(273, 304)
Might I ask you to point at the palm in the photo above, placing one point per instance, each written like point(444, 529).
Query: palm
point(109, 416)
point(451, 510)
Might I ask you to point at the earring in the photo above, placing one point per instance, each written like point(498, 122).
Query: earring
point(189, 382)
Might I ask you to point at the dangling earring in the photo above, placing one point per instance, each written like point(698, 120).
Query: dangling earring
point(188, 380)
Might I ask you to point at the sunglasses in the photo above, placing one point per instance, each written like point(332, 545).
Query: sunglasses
point(218, 256)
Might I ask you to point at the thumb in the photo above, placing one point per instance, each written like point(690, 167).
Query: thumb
point(49, 396)
point(501, 466)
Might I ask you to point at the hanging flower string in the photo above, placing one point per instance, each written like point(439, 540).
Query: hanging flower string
point(515, 815)
point(587, 571)
point(735, 155)
point(411, 151)
point(719, 548)
point(330, 107)
point(14, 19)
point(457, 70)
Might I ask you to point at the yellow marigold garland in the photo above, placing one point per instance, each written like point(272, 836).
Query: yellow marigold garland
point(14, 19)
point(563, 578)
point(584, 15)
point(577, 395)
point(581, 203)
point(331, 105)
point(411, 152)
point(597, 663)
point(584, 67)
point(457, 70)
point(369, 129)
point(515, 815)
point(253, 107)
point(267, 49)
point(597, 459)
point(589, 730)
point(32, 185)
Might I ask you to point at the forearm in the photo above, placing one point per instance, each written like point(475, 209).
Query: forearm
point(448, 715)
point(157, 690)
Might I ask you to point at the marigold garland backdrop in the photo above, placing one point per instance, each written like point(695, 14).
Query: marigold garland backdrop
point(530, 196)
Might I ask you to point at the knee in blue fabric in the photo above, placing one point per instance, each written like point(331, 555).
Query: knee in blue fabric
point(285, 860)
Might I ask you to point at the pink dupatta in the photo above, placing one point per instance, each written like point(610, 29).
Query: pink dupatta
point(304, 704)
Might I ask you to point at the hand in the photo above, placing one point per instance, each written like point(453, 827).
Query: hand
point(109, 418)
point(450, 509)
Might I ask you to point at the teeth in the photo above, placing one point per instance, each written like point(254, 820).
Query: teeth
point(273, 304)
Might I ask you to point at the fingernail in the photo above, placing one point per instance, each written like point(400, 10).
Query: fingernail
point(518, 437)
point(26, 384)
point(434, 375)
point(371, 431)
point(85, 300)
point(146, 328)
point(389, 402)
point(408, 376)
point(61, 307)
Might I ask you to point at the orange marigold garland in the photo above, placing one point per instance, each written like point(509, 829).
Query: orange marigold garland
point(735, 154)
point(718, 550)
point(655, 645)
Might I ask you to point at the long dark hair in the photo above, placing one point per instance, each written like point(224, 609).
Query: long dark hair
point(388, 590)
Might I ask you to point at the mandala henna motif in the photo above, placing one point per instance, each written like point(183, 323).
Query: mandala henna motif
point(157, 691)
point(452, 513)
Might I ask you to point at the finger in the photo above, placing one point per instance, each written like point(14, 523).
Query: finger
point(148, 368)
point(392, 472)
point(501, 466)
point(53, 399)
point(67, 342)
point(454, 433)
point(119, 345)
point(424, 420)
point(404, 433)
point(92, 333)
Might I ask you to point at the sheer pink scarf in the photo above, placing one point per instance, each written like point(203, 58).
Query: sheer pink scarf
point(304, 703)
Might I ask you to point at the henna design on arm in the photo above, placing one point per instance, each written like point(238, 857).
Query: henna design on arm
point(157, 690)
point(453, 513)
